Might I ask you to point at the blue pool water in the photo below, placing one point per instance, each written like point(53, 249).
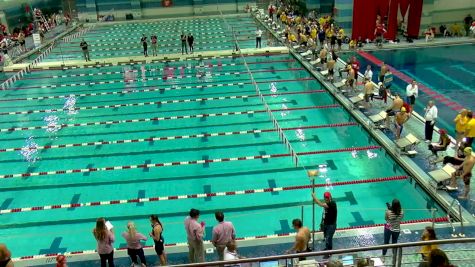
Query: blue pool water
point(190, 121)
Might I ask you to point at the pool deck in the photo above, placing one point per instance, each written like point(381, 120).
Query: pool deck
point(142, 59)
point(417, 166)
point(277, 243)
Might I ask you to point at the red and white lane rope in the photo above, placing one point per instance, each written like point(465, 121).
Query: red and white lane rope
point(180, 163)
point(158, 69)
point(157, 103)
point(165, 138)
point(149, 88)
point(204, 195)
point(160, 78)
point(14, 129)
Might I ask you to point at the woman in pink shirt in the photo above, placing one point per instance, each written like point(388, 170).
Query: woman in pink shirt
point(105, 238)
point(134, 247)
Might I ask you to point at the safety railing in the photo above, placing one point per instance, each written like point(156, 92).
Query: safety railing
point(293, 259)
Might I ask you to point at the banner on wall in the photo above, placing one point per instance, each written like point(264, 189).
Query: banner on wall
point(167, 3)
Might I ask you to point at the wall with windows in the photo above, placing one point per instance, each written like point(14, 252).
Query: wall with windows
point(91, 9)
point(438, 12)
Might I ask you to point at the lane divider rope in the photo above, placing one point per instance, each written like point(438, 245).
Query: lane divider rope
point(175, 101)
point(206, 115)
point(150, 88)
point(194, 196)
point(166, 138)
point(180, 163)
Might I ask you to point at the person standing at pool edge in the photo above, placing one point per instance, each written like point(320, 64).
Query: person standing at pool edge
point(158, 241)
point(392, 228)
point(412, 91)
point(85, 50)
point(328, 224)
point(430, 117)
point(183, 39)
point(134, 248)
point(258, 38)
point(195, 233)
point(190, 40)
point(143, 40)
point(105, 238)
point(154, 39)
point(223, 233)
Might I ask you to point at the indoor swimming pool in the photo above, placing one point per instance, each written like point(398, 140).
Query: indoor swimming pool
point(124, 142)
point(123, 40)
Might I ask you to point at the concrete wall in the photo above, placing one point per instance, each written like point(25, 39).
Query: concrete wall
point(437, 12)
point(90, 9)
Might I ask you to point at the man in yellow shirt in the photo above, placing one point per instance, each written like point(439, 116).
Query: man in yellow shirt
point(460, 124)
point(470, 129)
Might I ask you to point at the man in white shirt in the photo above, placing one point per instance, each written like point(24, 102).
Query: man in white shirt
point(430, 118)
point(368, 73)
point(258, 38)
point(412, 92)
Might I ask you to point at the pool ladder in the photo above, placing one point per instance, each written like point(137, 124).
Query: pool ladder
point(461, 233)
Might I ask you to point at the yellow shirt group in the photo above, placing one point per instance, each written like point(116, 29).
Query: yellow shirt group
point(461, 123)
point(470, 128)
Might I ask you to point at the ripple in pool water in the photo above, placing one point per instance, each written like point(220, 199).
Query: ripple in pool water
point(30, 150)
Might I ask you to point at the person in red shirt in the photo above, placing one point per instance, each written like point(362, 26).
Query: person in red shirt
point(355, 64)
point(379, 32)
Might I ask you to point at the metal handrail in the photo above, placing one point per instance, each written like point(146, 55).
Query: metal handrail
point(336, 251)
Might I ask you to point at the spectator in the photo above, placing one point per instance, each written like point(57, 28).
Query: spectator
point(60, 261)
point(352, 44)
point(158, 240)
point(438, 258)
point(472, 28)
point(392, 228)
point(467, 22)
point(444, 142)
point(195, 233)
point(5, 256)
point(427, 235)
point(230, 252)
point(223, 233)
point(470, 129)
point(334, 264)
point(105, 238)
point(134, 247)
point(430, 118)
point(379, 33)
point(461, 121)
point(329, 218)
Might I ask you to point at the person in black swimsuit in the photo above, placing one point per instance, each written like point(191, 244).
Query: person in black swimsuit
point(5, 257)
point(190, 40)
point(156, 234)
point(143, 40)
